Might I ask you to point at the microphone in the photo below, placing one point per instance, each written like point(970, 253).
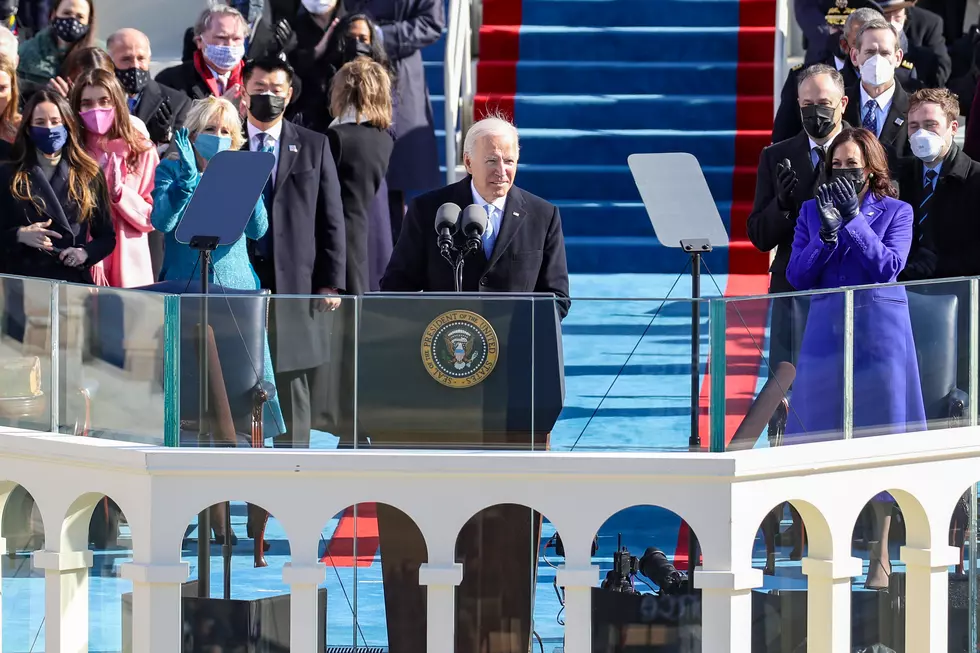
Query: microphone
point(474, 226)
point(447, 217)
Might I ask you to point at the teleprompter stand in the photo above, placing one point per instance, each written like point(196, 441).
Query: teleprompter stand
point(215, 218)
point(683, 214)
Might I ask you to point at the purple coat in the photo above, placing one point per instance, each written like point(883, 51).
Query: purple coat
point(870, 249)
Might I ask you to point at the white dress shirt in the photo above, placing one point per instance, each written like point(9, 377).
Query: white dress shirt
point(221, 78)
point(497, 215)
point(255, 137)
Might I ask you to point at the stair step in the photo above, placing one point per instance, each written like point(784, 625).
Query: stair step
point(624, 111)
point(624, 77)
point(557, 43)
point(641, 13)
point(614, 182)
point(632, 255)
point(613, 146)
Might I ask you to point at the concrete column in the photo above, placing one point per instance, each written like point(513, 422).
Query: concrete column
point(578, 584)
point(157, 626)
point(927, 596)
point(726, 608)
point(303, 581)
point(828, 608)
point(440, 583)
point(65, 599)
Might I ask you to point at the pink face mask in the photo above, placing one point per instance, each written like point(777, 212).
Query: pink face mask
point(98, 121)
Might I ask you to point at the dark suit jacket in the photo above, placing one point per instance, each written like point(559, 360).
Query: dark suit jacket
point(927, 47)
point(152, 97)
point(769, 226)
point(528, 254)
point(306, 220)
point(184, 78)
point(951, 230)
point(361, 153)
point(63, 213)
point(894, 133)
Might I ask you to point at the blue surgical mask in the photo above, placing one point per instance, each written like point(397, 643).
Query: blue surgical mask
point(207, 145)
point(225, 57)
point(49, 139)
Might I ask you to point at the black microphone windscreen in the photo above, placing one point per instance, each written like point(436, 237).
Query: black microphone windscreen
point(447, 216)
point(474, 221)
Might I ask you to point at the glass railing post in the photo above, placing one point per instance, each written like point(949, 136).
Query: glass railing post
point(848, 364)
point(718, 370)
point(171, 371)
point(54, 398)
point(972, 522)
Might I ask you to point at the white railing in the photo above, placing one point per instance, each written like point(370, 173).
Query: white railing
point(723, 496)
point(457, 80)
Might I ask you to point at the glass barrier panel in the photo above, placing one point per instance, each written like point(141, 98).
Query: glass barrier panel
point(109, 594)
point(628, 375)
point(113, 363)
point(26, 388)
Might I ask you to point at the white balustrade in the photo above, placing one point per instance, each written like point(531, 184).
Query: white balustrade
point(723, 496)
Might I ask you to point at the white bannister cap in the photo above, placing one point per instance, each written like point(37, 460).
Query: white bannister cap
point(61, 561)
point(155, 574)
point(451, 575)
point(304, 574)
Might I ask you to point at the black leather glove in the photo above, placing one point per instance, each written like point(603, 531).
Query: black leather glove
point(160, 124)
point(830, 220)
point(786, 181)
point(921, 265)
point(283, 32)
point(845, 199)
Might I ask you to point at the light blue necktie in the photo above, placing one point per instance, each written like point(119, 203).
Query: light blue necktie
point(490, 235)
point(267, 144)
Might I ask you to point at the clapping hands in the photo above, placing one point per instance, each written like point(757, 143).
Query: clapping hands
point(845, 199)
point(115, 177)
point(830, 218)
point(786, 181)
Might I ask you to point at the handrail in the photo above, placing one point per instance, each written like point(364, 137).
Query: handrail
point(457, 80)
point(780, 51)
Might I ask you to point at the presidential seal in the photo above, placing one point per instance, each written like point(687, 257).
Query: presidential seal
point(459, 349)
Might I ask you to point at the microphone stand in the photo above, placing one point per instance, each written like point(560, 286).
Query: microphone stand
point(456, 257)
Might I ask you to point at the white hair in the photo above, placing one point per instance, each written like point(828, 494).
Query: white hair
point(495, 125)
point(207, 16)
point(8, 45)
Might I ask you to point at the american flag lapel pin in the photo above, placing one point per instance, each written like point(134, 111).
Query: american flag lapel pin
point(293, 148)
point(899, 121)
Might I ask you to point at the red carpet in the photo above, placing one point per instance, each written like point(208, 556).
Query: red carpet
point(340, 550)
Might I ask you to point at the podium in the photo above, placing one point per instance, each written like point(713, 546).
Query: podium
point(461, 371)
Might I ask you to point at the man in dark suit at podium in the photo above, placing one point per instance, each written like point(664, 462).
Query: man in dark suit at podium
point(523, 251)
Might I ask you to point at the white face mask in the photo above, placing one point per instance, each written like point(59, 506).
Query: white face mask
point(877, 70)
point(926, 145)
point(319, 6)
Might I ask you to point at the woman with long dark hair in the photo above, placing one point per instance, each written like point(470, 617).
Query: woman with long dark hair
point(54, 221)
point(855, 232)
point(41, 58)
point(129, 162)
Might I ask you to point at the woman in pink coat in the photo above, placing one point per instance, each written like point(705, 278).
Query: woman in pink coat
point(129, 162)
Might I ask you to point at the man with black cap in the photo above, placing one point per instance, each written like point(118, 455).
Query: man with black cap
point(836, 54)
point(923, 41)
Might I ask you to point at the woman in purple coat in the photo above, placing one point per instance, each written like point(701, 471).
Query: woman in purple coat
point(856, 233)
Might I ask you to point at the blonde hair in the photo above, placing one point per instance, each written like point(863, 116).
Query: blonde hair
point(202, 112)
point(362, 86)
point(10, 118)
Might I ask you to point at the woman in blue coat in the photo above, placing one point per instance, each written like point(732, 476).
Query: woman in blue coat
point(856, 233)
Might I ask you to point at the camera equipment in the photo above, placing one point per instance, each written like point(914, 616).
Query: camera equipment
point(625, 566)
point(655, 566)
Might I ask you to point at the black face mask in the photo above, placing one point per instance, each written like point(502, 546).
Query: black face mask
point(355, 48)
point(266, 108)
point(133, 80)
point(853, 175)
point(818, 120)
point(69, 30)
